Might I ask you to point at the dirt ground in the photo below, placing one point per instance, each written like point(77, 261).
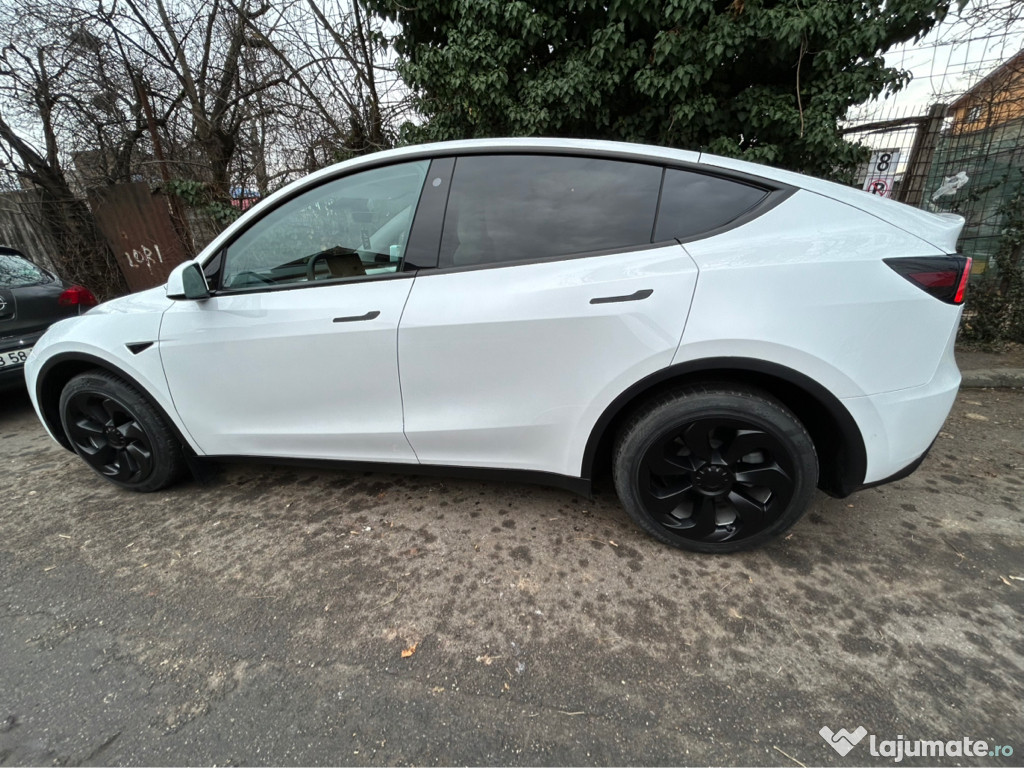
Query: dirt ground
point(283, 616)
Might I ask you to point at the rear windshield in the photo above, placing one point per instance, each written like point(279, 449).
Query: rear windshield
point(15, 272)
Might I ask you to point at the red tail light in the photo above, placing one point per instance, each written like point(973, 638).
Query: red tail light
point(77, 295)
point(962, 285)
point(944, 277)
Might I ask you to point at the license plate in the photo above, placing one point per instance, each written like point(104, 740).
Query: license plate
point(14, 358)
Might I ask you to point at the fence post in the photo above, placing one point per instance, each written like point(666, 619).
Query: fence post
point(921, 154)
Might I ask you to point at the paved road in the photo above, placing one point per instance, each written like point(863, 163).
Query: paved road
point(261, 618)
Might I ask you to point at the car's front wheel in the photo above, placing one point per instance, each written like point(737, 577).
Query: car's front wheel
point(118, 432)
point(714, 468)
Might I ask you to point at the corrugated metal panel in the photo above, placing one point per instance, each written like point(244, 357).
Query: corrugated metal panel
point(137, 223)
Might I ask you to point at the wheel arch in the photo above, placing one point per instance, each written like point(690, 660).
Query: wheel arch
point(842, 456)
point(60, 369)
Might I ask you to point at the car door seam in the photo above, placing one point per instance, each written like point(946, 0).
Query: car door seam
point(398, 362)
point(167, 384)
point(689, 307)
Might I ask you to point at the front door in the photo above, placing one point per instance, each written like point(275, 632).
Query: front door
point(295, 355)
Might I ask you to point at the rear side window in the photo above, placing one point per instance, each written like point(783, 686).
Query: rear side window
point(15, 272)
point(694, 203)
point(524, 207)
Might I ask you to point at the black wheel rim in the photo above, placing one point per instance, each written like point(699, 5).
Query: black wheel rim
point(109, 437)
point(716, 480)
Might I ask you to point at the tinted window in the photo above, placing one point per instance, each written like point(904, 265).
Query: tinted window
point(514, 207)
point(351, 227)
point(692, 203)
point(15, 272)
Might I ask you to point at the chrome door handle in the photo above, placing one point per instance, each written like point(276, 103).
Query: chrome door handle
point(357, 318)
point(638, 296)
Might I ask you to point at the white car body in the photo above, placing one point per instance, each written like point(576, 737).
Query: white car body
point(511, 367)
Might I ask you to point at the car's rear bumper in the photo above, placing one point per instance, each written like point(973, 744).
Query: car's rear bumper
point(899, 427)
point(14, 375)
point(11, 378)
point(907, 471)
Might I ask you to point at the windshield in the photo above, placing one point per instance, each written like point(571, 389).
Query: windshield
point(16, 272)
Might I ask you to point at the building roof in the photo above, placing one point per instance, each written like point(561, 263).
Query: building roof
point(1012, 66)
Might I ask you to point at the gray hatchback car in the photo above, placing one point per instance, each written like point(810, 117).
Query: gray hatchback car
point(31, 300)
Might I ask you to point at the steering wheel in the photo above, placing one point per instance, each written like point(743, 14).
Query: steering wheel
point(341, 262)
point(311, 264)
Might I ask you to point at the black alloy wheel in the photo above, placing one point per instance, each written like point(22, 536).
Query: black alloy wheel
point(716, 479)
point(109, 437)
point(118, 433)
point(715, 470)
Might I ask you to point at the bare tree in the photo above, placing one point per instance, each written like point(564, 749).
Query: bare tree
point(41, 86)
point(986, 15)
point(198, 49)
point(224, 93)
point(347, 97)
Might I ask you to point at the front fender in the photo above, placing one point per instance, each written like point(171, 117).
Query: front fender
point(123, 343)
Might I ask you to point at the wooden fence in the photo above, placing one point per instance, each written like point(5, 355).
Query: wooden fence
point(19, 227)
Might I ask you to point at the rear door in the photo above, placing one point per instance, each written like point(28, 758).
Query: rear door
point(550, 298)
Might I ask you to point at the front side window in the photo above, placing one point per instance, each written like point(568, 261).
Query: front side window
point(351, 227)
point(524, 207)
point(16, 272)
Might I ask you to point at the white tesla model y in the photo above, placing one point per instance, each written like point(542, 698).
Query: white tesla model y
point(722, 337)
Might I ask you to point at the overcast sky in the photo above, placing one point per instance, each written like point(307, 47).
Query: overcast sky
point(946, 63)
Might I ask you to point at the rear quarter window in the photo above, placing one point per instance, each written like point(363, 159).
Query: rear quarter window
point(695, 203)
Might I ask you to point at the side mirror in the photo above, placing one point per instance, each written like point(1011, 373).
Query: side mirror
point(187, 281)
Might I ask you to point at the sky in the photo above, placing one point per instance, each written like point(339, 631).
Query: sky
point(945, 63)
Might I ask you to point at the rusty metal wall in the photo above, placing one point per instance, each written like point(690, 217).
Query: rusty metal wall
point(137, 223)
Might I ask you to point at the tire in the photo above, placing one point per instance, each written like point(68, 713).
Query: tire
point(119, 433)
point(714, 469)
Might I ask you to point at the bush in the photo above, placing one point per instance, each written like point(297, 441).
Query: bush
point(995, 305)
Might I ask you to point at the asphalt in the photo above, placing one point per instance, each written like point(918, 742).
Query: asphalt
point(302, 617)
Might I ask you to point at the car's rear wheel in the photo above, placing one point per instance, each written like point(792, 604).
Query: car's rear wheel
point(118, 432)
point(715, 469)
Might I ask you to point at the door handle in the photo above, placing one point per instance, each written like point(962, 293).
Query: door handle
point(357, 318)
point(638, 296)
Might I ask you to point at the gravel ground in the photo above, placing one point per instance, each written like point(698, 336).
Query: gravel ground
point(282, 616)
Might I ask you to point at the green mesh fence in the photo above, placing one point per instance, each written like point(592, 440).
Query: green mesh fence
point(974, 173)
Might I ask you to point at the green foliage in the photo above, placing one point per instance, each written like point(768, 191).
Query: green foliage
point(200, 195)
point(763, 79)
point(995, 306)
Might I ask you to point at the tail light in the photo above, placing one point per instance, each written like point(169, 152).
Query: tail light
point(77, 295)
point(944, 277)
